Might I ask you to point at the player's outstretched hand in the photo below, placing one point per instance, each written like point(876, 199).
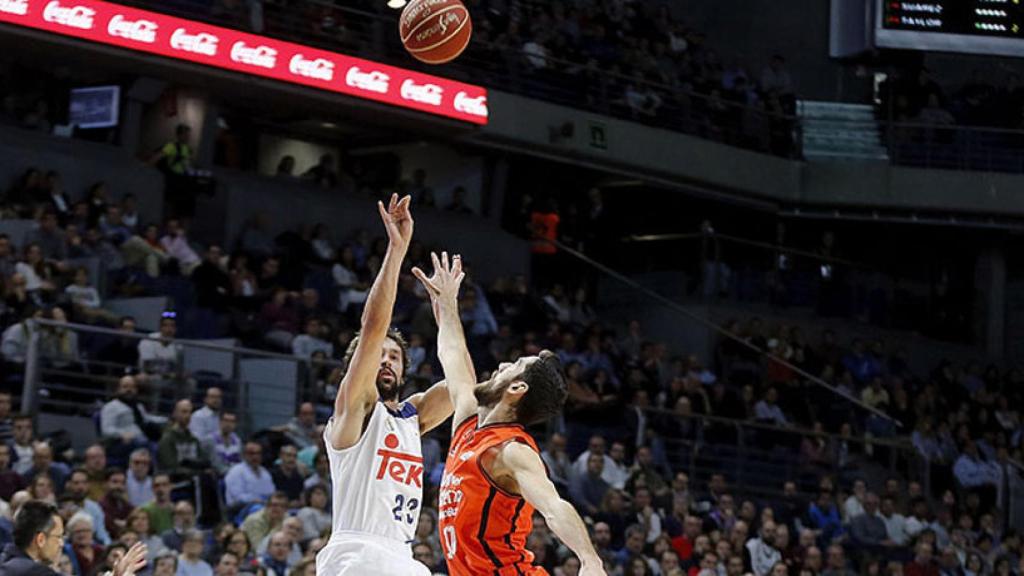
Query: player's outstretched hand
point(444, 284)
point(132, 562)
point(397, 220)
point(592, 569)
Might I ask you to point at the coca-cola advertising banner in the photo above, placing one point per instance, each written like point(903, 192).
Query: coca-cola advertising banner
point(192, 41)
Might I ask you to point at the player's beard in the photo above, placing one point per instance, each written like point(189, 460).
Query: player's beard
point(488, 394)
point(388, 385)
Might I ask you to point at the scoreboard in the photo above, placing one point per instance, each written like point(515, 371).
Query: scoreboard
point(973, 26)
point(991, 27)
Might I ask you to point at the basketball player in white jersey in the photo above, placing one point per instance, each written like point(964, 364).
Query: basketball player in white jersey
point(373, 440)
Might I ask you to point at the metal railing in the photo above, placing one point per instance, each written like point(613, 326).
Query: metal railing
point(371, 32)
point(65, 373)
point(727, 268)
point(951, 147)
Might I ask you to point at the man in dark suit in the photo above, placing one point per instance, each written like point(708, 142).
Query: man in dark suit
point(39, 540)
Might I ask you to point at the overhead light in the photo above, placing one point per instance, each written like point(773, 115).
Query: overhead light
point(328, 125)
point(396, 4)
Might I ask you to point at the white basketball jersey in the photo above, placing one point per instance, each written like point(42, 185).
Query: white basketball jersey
point(378, 482)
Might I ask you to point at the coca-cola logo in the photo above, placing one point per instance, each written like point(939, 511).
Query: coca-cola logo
point(423, 93)
point(262, 56)
point(319, 68)
point(374, 81)
point(17, 7)
point(202, 43)
point(70, 16)
point(138, 30)
point(475, 106)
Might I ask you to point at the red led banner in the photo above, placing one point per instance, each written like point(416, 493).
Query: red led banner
point(181, 39)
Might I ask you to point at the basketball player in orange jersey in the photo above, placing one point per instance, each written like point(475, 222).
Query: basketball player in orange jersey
point(494, 477)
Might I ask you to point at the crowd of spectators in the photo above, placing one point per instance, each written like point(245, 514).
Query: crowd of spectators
point(647, 449)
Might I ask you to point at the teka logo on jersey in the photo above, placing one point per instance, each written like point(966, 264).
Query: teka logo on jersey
point(374, 81)
point(402, 468)
point(475, 106)
point(139, 30)
point(70, 16)
point(262, 56)
point(423, 93)
point(202, 43)
point(319, 68)
point(16, 7)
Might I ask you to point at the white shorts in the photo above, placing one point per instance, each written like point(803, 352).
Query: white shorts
point(358, 554)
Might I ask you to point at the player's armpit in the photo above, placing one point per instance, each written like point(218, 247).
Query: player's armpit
point(434, 406)
point(525, 466)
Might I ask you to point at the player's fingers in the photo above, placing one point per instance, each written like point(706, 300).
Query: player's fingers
point(456, 264)
point(393, 203)
point(444, 260)
point(437, 263)
point(383, 212)
point(403, 204)
point(424, 280)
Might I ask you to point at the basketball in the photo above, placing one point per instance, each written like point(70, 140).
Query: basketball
point(435, 31)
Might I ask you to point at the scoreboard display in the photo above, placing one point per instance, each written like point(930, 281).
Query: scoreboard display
point(994, 27)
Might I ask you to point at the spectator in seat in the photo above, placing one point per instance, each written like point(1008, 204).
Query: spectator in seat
point(77, 489)
point(557, 462)
point(977, 474)
point(302, 430)
point(43, 464)
point(184, 521)
point(304, 345)
point(23, 445)
point(316, 517)
point(633, 549)
point(923, 563)
point(868, 530)
point(227, 565)
point(115, 504)
point(161, 509)
point(205, 423)
point(180, 453)
point(323, 173)
point(159, 356)
point(49, 237)
point(646, 470)
point(130, 212)
point(226, 447)
point(165, 563)
point(895, 523)
point(248, 482)
point(83, 550)
point(95, 466)
point(122, 351)
point(86, 299)
point(596, 445)
point(7, 259)
point(763, 554)
point(176, 245)
point(212, 282)
point(775, 79)
point(291, 526)
point(279, 319)
point(6, 424)
point(264, 521)
point(588, 489)
point(138, 522)
point(38, 273)
point(836, 564)
point(38, 540)
point(824, 518)
point(768, 411)
point(276, 558)
point(287, 476)
point(190, 562)
point(10, 481)
point(139, 483)
point(15, 339)
point(124, 422)
point(458, 203)
point(854, 504)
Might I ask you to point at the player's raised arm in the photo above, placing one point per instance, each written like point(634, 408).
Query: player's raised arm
point(459, 374)
point(358, 390)
point(526, 467)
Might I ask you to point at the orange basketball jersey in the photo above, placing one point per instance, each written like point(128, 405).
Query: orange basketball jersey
point(483, 528)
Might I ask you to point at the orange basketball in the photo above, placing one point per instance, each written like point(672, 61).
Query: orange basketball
point(435, 31)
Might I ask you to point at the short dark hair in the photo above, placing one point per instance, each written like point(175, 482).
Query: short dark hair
point(394, 335)
point(32, 518)
point(547, 391)
point(111, 472)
